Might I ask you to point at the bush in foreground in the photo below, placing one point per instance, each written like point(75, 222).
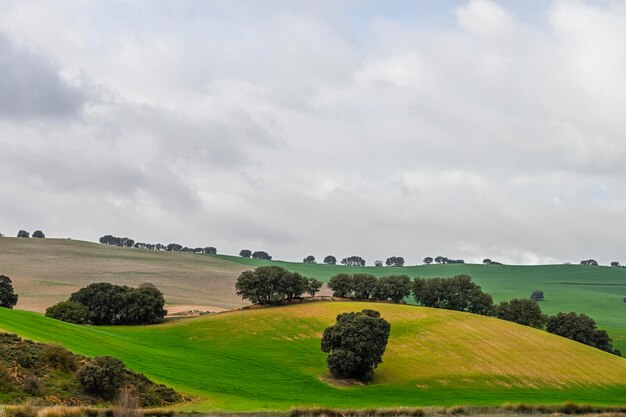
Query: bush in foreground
point(356, 344)
point(103, 376)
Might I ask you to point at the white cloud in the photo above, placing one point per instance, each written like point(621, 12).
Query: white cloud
point(336, 128)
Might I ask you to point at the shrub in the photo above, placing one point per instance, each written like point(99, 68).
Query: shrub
point(32, 386)
point(102, 376)
point(59, 358)
point(537, 295)
point(20, 411)
point(68, 311)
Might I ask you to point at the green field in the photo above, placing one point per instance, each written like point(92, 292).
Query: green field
point(594, 290)
point(270, 358)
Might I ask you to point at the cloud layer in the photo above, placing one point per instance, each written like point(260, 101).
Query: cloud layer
point(475, 130)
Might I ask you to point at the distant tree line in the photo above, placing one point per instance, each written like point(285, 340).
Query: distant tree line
point(103, 303)
point(247, 253)
point(126, 242)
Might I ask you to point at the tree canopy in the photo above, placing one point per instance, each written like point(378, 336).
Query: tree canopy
point(270, 285)
point(8, 298)
point(458, 293)
point(522, 311)
point(395, 261)
point(261, 255)
point(581, 328)
point(330, 260)
point(245, 253)
point(356, 344)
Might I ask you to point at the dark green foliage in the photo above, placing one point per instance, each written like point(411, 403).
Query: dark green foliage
point(393, 288)
point(102, 376)
point(245, 253)
point(114, 304)
point(68, 311)
point(261, 255)
point(428, 260)
point(458, 293)
point(591, 262)
point(309, 259)
point(270, 285)
point(615, 264)
point(341, 285)
point(23, 233)
point(330, 260)
point(38, 234)
point(356, 344)
point(174, 247)
point(363, 285)
point(522, 311)
point(487, 261)
point(580, 328)
point(395, 261)
point(313, 286)
point(353, 261)
point(8, 298)
point(537, 295)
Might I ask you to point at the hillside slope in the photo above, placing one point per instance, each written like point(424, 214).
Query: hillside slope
point(271, 359)
point(45, 271)
point(598, 291)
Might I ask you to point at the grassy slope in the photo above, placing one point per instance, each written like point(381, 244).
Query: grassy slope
point(270, 358)
point(596, 291)
point(45, 271)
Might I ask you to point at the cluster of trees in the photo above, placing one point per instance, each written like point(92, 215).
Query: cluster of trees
point(272, 285)
point(37, 234)
point(8, 298)
point(247, 253)
point(581, 328)
point(591, 262)
point(353, 261)
point(488, 261)
point(356, 344)
point(393, 288)
point(103, 303)
point(395, 261)
point(457, 293)
point(442, 260)
point(126, 242)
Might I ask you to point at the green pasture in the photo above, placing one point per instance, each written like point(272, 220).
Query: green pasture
point(270, 359)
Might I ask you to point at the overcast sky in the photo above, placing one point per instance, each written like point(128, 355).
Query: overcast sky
point(467, 129)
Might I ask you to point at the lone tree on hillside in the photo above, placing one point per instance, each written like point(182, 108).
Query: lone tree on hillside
point(378, 263)
point(245, 253)
point(487, 261)
point(38, 234)
point(521, 311)
point(428, 260)
point(615, 264)
point(313, 286)
point(23, 233)
point(591, 262)
point(537, 295)
point(356, 344)
point(8, 298)
point(309, 259)
point(330, 260)
point(580, 328)
point(395, 261)
point(270, 285)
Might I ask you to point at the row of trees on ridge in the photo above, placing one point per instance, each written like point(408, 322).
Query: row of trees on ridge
point(126, 242)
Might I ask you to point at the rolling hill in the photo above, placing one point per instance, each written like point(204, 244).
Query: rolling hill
point(270, 358)
point(46, 271)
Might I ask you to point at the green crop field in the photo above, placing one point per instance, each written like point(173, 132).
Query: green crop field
point(270, 358)
point(598, 291)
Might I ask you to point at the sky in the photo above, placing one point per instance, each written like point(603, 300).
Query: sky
point(467, 129)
